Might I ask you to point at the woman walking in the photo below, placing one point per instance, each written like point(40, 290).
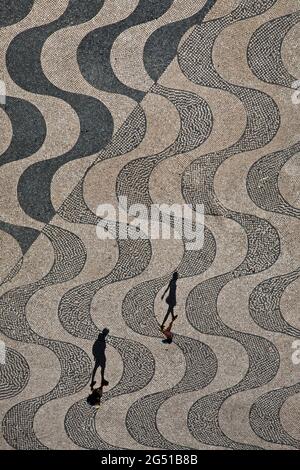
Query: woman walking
point(171, 299)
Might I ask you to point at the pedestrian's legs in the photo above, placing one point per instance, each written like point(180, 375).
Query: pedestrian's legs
point(94, 373)
point(173, 316)
point(170, 309)
point(103, 381)
point(102, 373)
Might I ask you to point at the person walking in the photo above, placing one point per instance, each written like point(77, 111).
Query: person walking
point(171, 299)
point(100, 359)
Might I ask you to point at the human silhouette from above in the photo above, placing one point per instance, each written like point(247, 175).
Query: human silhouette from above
point(100, 358)
point(171, 299)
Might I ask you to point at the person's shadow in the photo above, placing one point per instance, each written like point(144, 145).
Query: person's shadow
point(99, 356)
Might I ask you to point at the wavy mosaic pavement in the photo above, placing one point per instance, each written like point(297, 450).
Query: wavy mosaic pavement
point(161, 101)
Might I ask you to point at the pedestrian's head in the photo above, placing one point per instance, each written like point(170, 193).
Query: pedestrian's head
point(105, 332)
point(175, 275)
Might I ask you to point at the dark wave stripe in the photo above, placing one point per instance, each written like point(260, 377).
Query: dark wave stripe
point(265, 416)
point(34, 186)
point(161, 47)
point(14, 374)
point(201, 368)
point(195, 56)
point(264, 50)
point(23, 56)
point(23, 59)
point(138, 367)
point(80, 426)
point(93, 54)
point(203, 423)
point(127, 138)
point(264, 304)
point(263, 242)
point(13, 271)
point(246, 9)
point(75, 209)
point(13, 12)
point(74, 308)
point(28, 134)
point(196, 123)
point(28, 130)
point(262, 182)
point(25, 236)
